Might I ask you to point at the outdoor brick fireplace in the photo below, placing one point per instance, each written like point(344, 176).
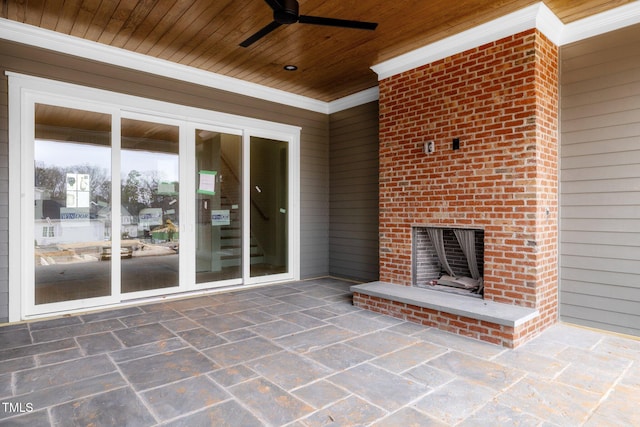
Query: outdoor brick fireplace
point(500, 101)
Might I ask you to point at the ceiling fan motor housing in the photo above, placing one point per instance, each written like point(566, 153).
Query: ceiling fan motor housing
point(288, 14)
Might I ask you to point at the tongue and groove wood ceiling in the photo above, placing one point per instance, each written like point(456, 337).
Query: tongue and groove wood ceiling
point(332, 62)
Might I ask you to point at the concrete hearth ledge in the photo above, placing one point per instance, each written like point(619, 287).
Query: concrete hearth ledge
point(474, 308)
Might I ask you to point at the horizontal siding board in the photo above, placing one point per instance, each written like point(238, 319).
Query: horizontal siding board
point(601, 251)
point(358, 218)
point(629, 130)
point(363, 190)
point(604, 146)
point(575, 116)
point(600, 289)
point(353, 256)
point(599, 237)
point(613, 321)
point(600, 186)
point(605, 225)
point(348, 244)
point(587, 200)
point(604, 304)
point(599, 325)
point(600, 181)
point(629, 157)
point(626, 113)
point(631, 331)
point(577, 101)
point(576, 70)
point(600, 264)
point(604, 172)
point(351, 172)
point(362, 239)
point(621, 212)
point(343, 157)
point(586, 81)
point(614, 279)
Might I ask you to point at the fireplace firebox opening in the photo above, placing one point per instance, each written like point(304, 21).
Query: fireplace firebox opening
point(449, 260)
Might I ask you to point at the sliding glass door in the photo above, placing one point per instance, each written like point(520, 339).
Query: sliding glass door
point(149, 205)
point(218, 206)
point(71, 204)
point(269, 207)
point(130, 204)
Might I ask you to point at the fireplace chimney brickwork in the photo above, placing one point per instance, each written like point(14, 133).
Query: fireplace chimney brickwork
point(501, 101)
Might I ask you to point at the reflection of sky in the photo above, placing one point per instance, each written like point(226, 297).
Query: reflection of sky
point(64, 154)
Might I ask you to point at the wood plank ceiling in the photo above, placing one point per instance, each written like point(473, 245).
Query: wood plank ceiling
point(332, 62)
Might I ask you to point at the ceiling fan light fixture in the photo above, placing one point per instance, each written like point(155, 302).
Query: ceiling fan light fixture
point(287, 12)
point(290, 67)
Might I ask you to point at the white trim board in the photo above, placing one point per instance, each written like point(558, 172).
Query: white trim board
point(537, 15)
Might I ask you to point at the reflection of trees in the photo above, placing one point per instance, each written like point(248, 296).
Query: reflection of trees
point(53, 178)
point(140, 190)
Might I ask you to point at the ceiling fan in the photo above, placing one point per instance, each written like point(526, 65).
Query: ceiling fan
point(286, 12)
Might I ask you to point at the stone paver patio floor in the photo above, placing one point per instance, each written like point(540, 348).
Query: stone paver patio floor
point(299, 354)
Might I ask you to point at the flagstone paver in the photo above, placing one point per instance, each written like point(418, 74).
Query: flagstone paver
point(300, 355)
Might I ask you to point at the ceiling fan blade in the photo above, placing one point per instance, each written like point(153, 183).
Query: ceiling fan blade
point(333, 22)
point(260, 34)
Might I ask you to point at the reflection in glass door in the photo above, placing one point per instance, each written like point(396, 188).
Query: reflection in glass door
point(218, 206)
point(150, 205)
point(110, 223)
point(72, 195)
point(269, 199)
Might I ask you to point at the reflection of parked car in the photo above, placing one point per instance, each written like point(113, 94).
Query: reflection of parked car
point(124, 253)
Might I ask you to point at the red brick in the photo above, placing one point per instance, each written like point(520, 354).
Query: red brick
point(501, 100)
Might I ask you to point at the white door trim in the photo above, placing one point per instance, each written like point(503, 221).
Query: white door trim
point(25, 90)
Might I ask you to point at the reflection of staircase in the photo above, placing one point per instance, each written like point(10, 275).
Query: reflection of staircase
point(231, 241)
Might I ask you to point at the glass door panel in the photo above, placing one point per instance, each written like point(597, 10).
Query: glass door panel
point(72, 199)
point(269, 200)
point(150, 204)
point(218, 206)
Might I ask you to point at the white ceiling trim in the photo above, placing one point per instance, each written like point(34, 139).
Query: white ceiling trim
point(64, 43)
point(601, 23)
point(536, 16)
point(359, 98)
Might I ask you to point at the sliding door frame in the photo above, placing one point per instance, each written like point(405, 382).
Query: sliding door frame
point(25, 91)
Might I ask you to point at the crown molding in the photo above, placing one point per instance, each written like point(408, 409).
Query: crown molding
point(71, 45)
point(601, 23)
point(359, 98)
point(535, 16)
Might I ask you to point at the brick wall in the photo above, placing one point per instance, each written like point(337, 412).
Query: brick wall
point(501, 101)
point(506, 336)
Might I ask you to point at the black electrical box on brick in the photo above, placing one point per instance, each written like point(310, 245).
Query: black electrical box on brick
point(456, 144)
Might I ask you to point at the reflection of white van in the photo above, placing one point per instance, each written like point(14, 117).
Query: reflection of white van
point(149, 218)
